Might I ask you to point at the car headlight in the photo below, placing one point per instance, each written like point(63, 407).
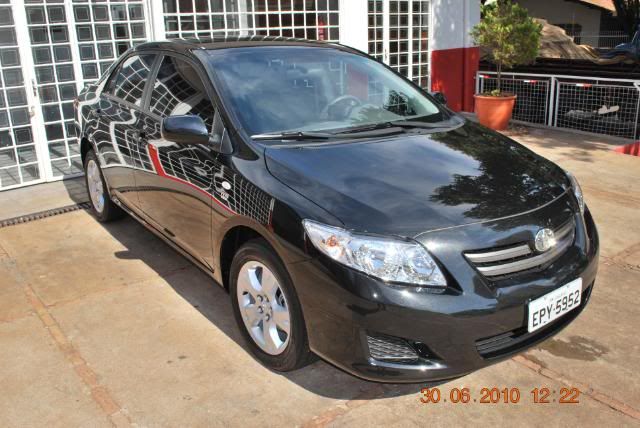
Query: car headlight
point(389, 259)
point(577, 191)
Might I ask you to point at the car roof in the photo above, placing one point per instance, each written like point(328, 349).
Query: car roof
point(185, 46)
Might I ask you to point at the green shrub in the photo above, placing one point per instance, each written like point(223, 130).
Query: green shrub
point(509, 35)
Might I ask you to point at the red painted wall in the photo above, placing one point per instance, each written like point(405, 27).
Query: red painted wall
point(453, 73)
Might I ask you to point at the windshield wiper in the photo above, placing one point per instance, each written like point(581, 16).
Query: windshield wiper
point(297, 135)
point(370, 127)
point(399, 125)
point(425, 125)
point(404, 124)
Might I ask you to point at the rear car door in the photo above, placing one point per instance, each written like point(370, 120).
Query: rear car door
point(176, 194)
point(118, 116)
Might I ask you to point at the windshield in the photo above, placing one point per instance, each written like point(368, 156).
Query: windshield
point(313, 89)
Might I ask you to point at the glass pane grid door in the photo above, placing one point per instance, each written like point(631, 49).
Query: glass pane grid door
point(19, 163)
point(305, 19)
point(55, 82)
point(104, 31)
point(398, 32)
point(50, 49)
point(59, 47)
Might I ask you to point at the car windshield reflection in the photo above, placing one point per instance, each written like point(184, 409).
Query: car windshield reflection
point(294, 89)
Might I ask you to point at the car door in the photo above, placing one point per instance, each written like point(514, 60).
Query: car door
point(175, 195)
point(118, 116)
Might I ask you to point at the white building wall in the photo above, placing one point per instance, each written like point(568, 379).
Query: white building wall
point(353, 24)
point(452, 23)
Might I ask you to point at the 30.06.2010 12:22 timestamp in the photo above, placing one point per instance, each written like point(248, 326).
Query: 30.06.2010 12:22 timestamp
point(495, 395)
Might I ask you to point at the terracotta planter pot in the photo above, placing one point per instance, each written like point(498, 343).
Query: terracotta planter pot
point(494, 112)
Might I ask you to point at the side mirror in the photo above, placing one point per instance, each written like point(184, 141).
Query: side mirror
point(185, 129)
point(439, 96)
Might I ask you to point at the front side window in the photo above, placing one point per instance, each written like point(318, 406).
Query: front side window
point(178, 90)
point(127, 83)
point(284, 89)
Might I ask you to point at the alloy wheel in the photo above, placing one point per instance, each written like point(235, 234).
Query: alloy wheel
point(96, 189)
point(263, 307)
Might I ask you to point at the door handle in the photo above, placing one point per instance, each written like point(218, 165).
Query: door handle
point(143, 133)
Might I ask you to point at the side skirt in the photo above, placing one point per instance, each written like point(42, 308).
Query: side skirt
point(168, 241)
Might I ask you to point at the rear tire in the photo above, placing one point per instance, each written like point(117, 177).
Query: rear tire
point(103, 208)
point(261, 292)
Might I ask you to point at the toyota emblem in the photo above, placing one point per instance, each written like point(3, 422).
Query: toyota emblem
point(545, 240)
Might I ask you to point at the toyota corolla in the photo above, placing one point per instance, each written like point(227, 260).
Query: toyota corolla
point(348, 213)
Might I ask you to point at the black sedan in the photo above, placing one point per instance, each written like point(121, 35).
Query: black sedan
point(348, 213)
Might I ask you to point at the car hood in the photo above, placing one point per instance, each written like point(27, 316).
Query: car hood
point(410, 183)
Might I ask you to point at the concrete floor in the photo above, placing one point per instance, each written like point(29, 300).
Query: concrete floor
point(33, 199)
point(105, 325)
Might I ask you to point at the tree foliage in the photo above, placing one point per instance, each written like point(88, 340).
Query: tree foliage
point(509, 35)
point(628, 12)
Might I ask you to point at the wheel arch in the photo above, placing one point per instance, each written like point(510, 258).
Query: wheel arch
point(85, 146)
point(239, 231)
point(234, 238)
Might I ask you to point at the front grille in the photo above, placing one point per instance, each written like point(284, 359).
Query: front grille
point(390, 348)
point(498, 262)
point(515, 340)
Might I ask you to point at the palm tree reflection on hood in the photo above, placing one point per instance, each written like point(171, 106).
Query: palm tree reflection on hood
point(508, 174)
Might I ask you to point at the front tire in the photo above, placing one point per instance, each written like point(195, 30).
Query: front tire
point(267, 309)
point(104, 209)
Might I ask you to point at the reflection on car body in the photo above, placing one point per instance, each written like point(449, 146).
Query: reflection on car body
point(348, 213)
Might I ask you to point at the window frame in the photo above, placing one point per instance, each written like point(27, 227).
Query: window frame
point(117, 69)
point(154, 75)
point(228, 122)
point(220, 111)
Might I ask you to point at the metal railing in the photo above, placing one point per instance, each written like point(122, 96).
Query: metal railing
point(597, 105)
point(605, 39)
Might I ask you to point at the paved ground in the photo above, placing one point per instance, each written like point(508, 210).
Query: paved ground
point(106, 325)
point(42, 197)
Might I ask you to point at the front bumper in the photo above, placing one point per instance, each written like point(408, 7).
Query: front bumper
point(456, 331)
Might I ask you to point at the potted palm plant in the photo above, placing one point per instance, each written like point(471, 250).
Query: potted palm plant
point(508, 36)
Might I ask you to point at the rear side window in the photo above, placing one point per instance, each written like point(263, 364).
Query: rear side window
point(178, 90)
point(127, 83)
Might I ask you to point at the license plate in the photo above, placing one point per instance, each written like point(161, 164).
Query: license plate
point(551, 306)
